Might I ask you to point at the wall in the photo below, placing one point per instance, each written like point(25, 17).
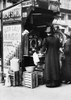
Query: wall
point(66, 4)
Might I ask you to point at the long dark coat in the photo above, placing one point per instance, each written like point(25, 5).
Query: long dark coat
point(66, 63)
point(52, 66)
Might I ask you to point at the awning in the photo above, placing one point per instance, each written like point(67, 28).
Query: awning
point(39, 17)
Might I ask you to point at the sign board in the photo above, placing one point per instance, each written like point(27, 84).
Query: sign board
point(11, 42)
point(12, 14)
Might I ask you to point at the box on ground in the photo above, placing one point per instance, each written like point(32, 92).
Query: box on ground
point(30, 79)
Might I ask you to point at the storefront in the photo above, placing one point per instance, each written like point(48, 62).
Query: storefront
point(15, 20)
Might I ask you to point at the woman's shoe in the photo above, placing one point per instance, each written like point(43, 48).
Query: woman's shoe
point(48, 85)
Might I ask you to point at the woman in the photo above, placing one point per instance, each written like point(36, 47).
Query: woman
point(66, 62)
point(52, 65)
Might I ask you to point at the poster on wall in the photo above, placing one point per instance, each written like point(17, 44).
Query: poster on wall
point(11, 42)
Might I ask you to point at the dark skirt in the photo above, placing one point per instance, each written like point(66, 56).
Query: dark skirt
point(54, 83)
point(52, 70)
point(66, 69)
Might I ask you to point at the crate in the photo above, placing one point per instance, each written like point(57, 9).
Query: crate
point(30, 79)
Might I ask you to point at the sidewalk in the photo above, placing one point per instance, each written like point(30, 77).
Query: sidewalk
point(40, 93)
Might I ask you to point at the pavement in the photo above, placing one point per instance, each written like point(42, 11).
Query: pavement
point(40, 93)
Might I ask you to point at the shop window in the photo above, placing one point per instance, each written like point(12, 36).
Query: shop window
point(69, 17)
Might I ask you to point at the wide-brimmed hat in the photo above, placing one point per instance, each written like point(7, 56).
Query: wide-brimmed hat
point(50, 30)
